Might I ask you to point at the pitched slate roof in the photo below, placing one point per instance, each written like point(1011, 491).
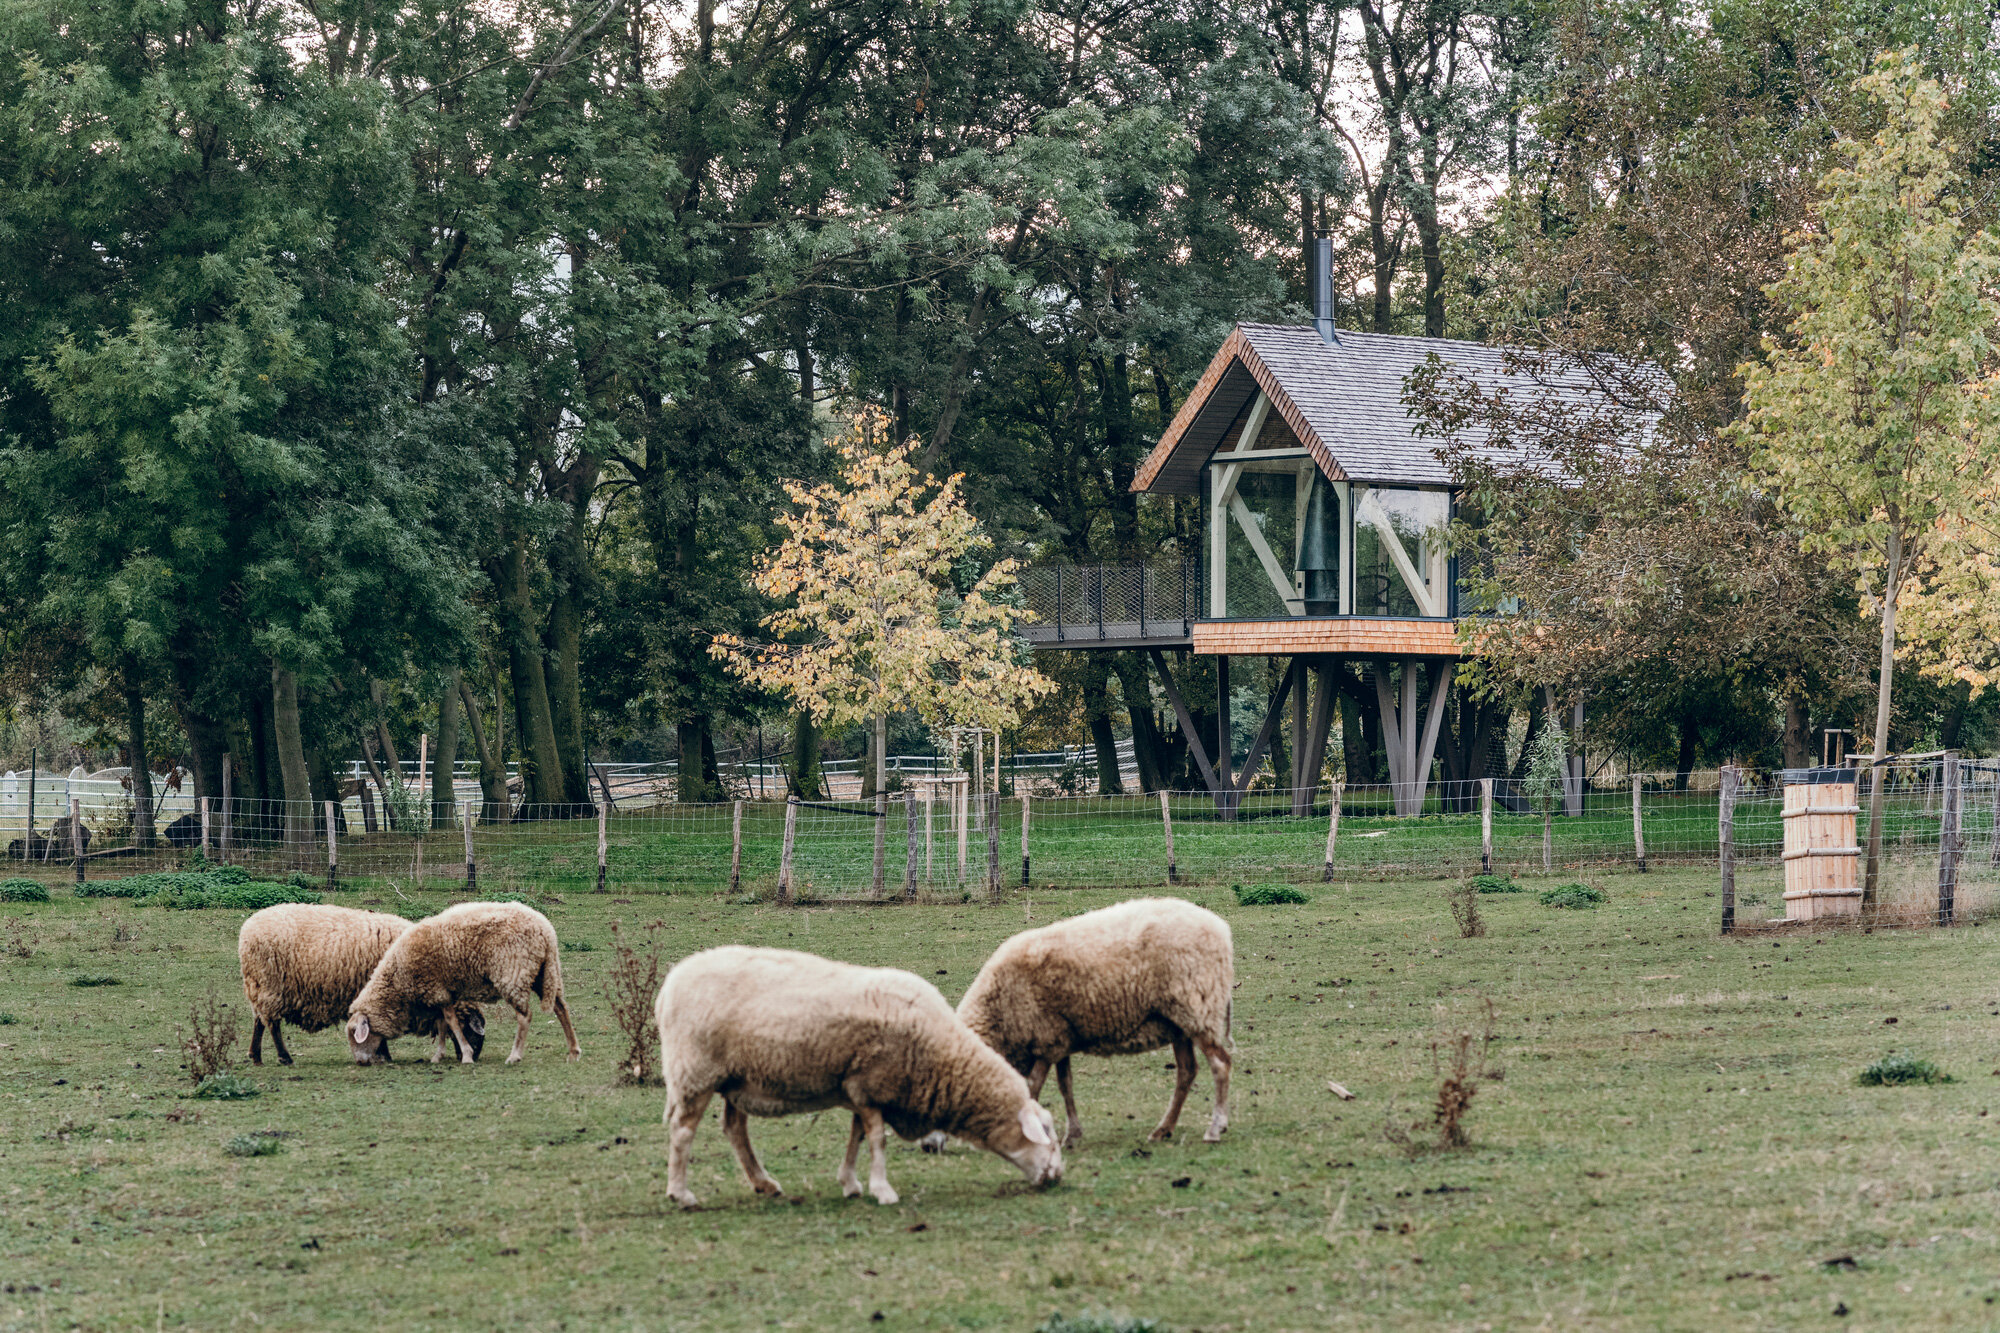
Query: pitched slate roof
point(1344, 403)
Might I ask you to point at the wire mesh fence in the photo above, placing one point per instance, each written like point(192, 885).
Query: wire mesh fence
point(938, 840)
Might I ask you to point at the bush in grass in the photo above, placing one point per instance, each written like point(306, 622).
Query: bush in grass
point(225, 1087)
point(8, 1020)
point(1464, 900)
point(254, 1145)
point(251, 897)
point(163, 881)
point(94, 979)
point(193, 890)
point(1572, 896)
point(22, 891)
point(208, 1042)
point(1495, 884)
point(1899, 1069)
point(1097, 1321)
point(1267, 895)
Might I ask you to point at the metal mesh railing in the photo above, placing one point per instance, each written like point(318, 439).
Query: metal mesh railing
point(1082, 603)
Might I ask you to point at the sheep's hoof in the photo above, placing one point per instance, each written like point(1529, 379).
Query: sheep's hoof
point(932, 1143)
point(1214, 1134)
point(574, 1056)
point(1160, 1135)
point(685, 1199)
point(514, 1059)
point(283, 1060)
point(1071, 1139)
point(769, 1188)
point(886, 1196)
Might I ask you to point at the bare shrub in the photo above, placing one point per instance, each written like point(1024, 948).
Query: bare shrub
point(1458, 1059)
point(208, 1042)
point(1465, 911)
point(17, 944)
point(632, 985)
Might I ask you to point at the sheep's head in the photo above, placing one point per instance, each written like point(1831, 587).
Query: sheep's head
point(368, 1046)
point(1029, 1142)
point(472, 1020)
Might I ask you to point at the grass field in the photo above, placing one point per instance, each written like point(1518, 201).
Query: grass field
point(1677, 1141)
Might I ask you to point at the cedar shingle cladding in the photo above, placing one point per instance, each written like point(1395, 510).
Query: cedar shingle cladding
point(1344, 404)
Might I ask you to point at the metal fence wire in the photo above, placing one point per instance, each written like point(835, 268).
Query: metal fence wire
point(934, 840)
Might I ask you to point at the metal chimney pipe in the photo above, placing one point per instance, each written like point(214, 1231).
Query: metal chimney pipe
point(1322, 289)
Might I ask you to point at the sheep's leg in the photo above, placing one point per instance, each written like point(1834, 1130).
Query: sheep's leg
point(1218, 1065)
point(256, 1040)
point(736, 1124)
point(520, 1035)
point(278, 1040)
point(562, 1017)
point(1036, 1077)
point(1183, 1080)
point(450, 1020)
point(850, 1184)
point(1074, 1134)
point(683, 1121)
point(878, 1157)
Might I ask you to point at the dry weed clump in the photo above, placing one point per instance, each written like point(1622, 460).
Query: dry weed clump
point(632, 985)
point(208, 1042)
point(1458, 1059)
point(1465, 911)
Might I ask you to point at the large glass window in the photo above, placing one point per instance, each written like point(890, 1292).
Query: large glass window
point(1270, 501)
point(1400, 563)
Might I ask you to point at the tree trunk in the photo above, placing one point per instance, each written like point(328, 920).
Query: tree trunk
point(1891, 586)
point(882, 752)
point(696, 781)
point(208, 741)
point(1097, 711)
point(382, 736)
point(562, 661)
point(541, 767)
point(867, 773)
point(292, 763)
point(1520, 768)
point(1798, 732)
point(141, 770)
point(804, 777)
point(324, 778)
point(1684, 759)
point(1148, 750)
point(444, 799)
point(1548, 839)
point(492, 760)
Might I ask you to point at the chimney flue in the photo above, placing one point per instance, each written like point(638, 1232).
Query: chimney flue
point(1322, 289)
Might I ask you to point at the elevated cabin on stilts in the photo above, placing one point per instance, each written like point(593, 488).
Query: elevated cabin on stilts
point(1323, 543)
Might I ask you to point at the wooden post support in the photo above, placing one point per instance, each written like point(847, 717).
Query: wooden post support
point(471, 866)
point(228, 811)
point(736, 847)
point(1726, 844)
point(1026, 815)
point(332, 852)
point(930, 802)
point(35, 763)
point(1167, 823)
point(1332, 830)
point(204, 825)
point(961, 799)
point(785, 856)
point(910, 842)
point(76, 835)
point(1486, 826)
point(992, 804)
point(876, 880)
point(1948, 841)
point(603, 843)
point(1639, 821)
point(1993, 855)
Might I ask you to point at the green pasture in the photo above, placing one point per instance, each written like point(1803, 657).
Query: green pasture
point(1674, 1138)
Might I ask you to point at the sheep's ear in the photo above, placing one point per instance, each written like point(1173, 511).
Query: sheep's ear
point(477, 1024)
point(1031, 1124)
point(359, 1029)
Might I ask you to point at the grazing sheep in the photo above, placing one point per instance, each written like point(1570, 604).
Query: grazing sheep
point(776, 1033)
point(473, 952)
point(1144, 974)
point(304, 965)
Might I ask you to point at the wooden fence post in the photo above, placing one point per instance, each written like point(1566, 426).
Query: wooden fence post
point(1167, 823)
point(991, 808)
point(1026, 815)
point(332, 852)
point(603, 843)
point(228, 811)
point(204, 826)
point(1486, 826)
point(785, 856)
point(76, 835)
point(910, 842)
point(736, 847)
point(1332, 831)
point(1726, 844)
point(1994, 854)
point(471, 866)
point(930, 807)
point(1948, 842)
point(1639, 821)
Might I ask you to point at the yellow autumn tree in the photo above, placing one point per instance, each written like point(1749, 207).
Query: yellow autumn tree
point(872, 623)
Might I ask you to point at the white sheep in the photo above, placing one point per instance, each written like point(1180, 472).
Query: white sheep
point(304, 964)
point(470, 952)
point(1144, 974)
point(775, 1033)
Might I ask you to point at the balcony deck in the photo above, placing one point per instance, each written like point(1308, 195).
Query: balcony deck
point(1341, 636)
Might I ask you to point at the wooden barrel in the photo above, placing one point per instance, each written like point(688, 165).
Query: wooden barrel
point(1822, 858)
